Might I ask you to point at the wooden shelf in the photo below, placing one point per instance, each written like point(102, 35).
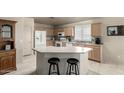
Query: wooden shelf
point(6, 39)
point(1, 51)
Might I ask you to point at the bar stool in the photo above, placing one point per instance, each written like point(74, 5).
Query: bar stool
point(54, 63)
point(72, 63)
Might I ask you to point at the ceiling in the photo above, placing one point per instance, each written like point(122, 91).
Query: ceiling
point(60, 20)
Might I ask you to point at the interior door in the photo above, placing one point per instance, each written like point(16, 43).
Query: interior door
point(27, 39)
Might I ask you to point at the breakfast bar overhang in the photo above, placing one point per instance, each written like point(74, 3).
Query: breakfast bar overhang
point(63, 53)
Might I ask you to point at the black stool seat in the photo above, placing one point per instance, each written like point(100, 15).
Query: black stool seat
point(54, 62)
point(72, 63)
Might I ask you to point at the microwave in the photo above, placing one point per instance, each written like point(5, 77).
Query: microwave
point(61, 34)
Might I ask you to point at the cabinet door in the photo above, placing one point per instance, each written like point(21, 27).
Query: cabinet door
point(56, 30)
point(96, 52)
point(50, 43)
point(69, 31)
point(7, 63)
point(96, 29)
point(50, 32)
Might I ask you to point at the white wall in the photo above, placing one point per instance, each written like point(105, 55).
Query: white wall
point(28, 32)
point(19, 35)
point(113, 48)
point(38, 26)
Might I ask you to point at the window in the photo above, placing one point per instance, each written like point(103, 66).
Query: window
point(83, 32)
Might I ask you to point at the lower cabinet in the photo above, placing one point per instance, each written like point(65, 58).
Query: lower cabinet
point(95, 54)
point(50, 43)
point(7, 62)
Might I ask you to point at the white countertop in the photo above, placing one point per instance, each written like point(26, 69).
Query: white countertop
point(70, 49)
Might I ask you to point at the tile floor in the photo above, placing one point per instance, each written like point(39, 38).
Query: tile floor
point(28, 67)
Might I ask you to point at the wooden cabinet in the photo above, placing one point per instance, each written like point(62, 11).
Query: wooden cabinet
point(7, 46)
point(7, 61)
point(56, 30)
point(96, 29)
point(69, 31)
point(49, 32)
point(95, 54)
point(50, 43)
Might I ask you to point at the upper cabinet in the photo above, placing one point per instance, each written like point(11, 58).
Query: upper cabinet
point(7, 34)
point(7, 29)
point(56, 30)
point(50, 32)
point(68, 31)
point(96, 29)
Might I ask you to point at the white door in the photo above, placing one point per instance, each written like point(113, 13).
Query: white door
point(27, 39)
point(40, 39)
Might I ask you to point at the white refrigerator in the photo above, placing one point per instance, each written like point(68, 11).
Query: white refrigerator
point(40, 39)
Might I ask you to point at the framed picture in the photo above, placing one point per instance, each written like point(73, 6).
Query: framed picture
point(115, 30)
point(7, 47)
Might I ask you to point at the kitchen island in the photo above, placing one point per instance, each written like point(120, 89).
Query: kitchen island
point(44, 53)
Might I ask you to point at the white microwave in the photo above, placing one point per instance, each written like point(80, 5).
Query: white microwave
point(61, 34)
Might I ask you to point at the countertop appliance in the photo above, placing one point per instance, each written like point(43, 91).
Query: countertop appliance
point(97, 40)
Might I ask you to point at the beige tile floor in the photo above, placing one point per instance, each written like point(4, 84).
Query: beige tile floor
point(106, 69)
point(28, 67)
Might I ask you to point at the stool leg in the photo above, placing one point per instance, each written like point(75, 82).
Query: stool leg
point(78, 69)
point(53, 67)
point(58, 69)
point(72, 67)
point(49, 69)
point(70, 70)
point(67, 70)
point(75, 69)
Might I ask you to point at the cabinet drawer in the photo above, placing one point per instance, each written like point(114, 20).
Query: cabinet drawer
point(12, 53)
point(3, 54)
